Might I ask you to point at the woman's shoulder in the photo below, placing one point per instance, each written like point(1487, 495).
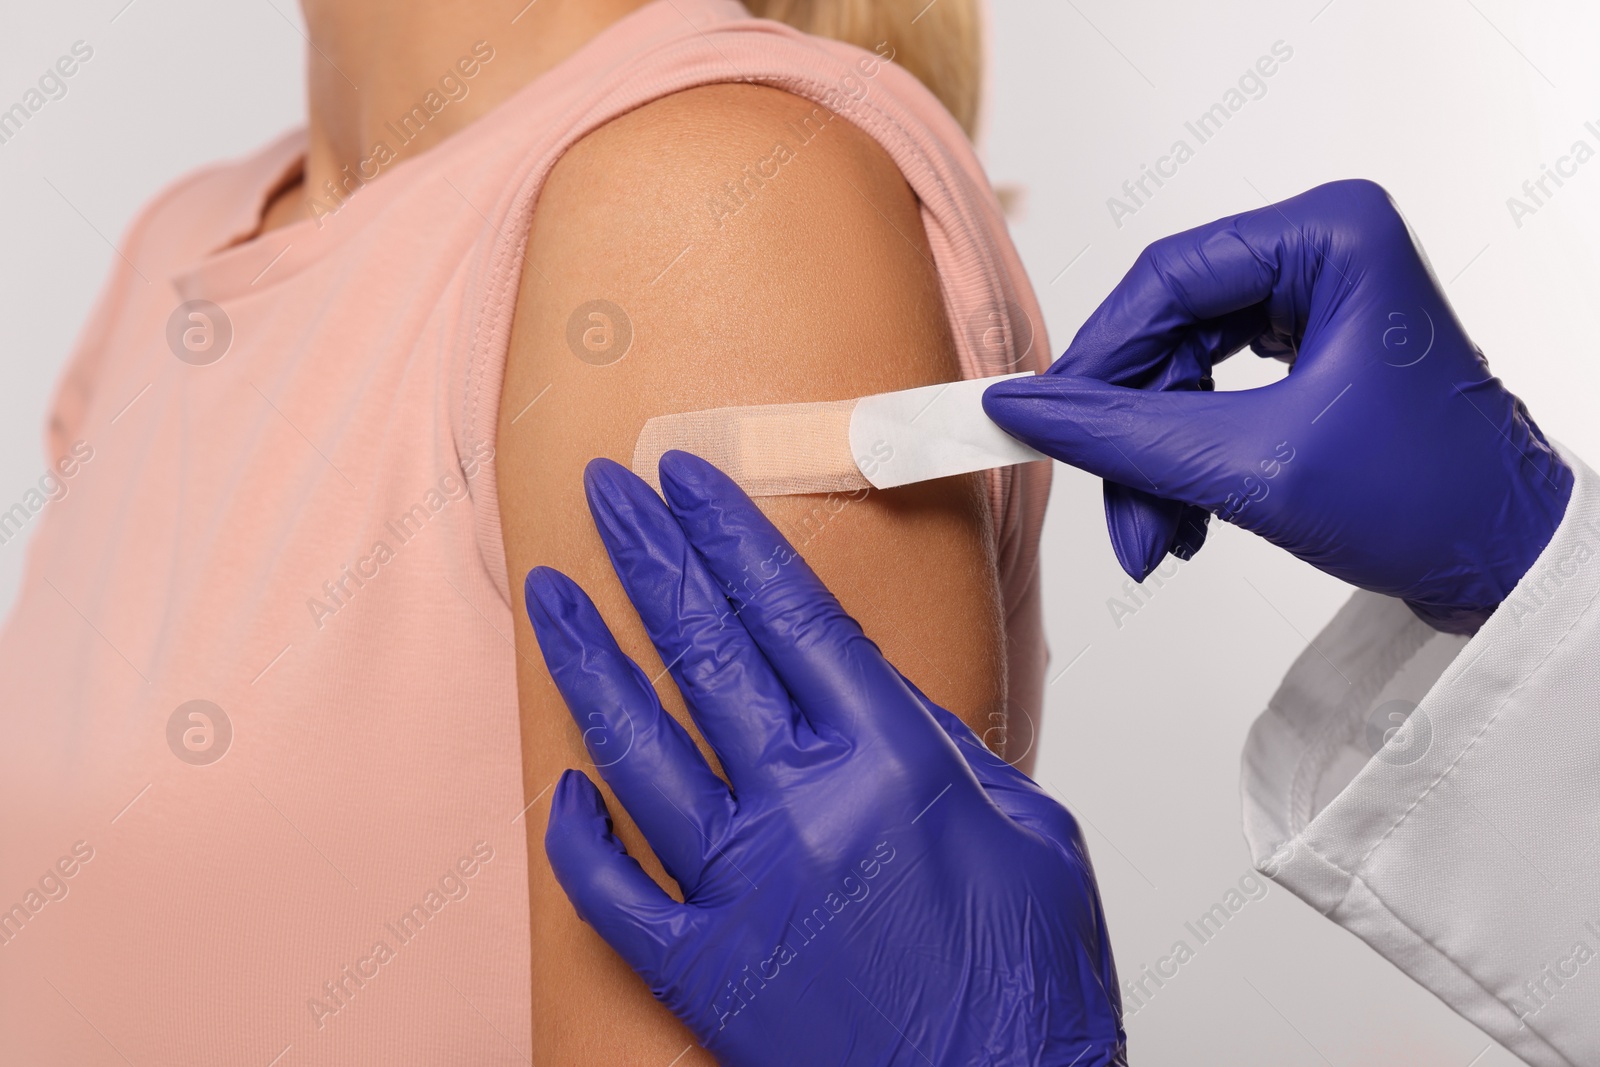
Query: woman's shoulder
point(673, 74)
point(721, 147)
point(725, 106)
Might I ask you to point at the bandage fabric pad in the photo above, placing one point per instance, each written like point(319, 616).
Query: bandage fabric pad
point(769, 449)
point(880, 441)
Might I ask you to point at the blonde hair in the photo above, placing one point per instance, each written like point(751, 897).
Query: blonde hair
point(938, 42)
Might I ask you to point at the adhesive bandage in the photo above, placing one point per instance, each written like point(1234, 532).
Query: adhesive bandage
point(837, 446)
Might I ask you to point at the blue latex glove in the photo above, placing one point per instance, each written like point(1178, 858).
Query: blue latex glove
point(875, 887)
point(1388, 457)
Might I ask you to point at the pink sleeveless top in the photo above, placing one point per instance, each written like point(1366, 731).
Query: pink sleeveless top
point(260, 783)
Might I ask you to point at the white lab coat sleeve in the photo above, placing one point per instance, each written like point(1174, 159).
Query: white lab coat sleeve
point(1461, 840)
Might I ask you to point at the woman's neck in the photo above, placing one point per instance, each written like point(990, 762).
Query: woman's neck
point(388, 79)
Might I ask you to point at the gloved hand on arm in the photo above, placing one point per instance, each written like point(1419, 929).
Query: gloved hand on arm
point(870, 886)
point(1388, 457)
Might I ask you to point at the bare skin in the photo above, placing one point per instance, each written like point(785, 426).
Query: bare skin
point(821, 288)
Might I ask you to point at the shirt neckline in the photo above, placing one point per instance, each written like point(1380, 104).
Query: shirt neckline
point(245, 261)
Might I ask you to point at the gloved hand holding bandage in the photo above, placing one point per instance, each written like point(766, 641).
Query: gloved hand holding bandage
point(870, 885)
point(1389, 456)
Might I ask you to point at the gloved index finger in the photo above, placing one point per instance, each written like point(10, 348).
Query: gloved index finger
point(835, 674)
point(1207, 276)
point(1189, 301)
point(731, 690)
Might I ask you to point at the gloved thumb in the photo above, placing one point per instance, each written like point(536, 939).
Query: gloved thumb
point(607, 887)
point(1173, 445)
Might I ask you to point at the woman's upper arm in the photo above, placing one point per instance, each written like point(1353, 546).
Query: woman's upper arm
point(748, 248)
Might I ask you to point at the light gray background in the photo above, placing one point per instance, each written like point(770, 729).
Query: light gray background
point(1450, 103)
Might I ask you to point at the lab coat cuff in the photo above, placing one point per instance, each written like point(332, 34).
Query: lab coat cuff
point(1438, 796)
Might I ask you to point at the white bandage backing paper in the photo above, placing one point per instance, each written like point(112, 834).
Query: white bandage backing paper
point(880, 441)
